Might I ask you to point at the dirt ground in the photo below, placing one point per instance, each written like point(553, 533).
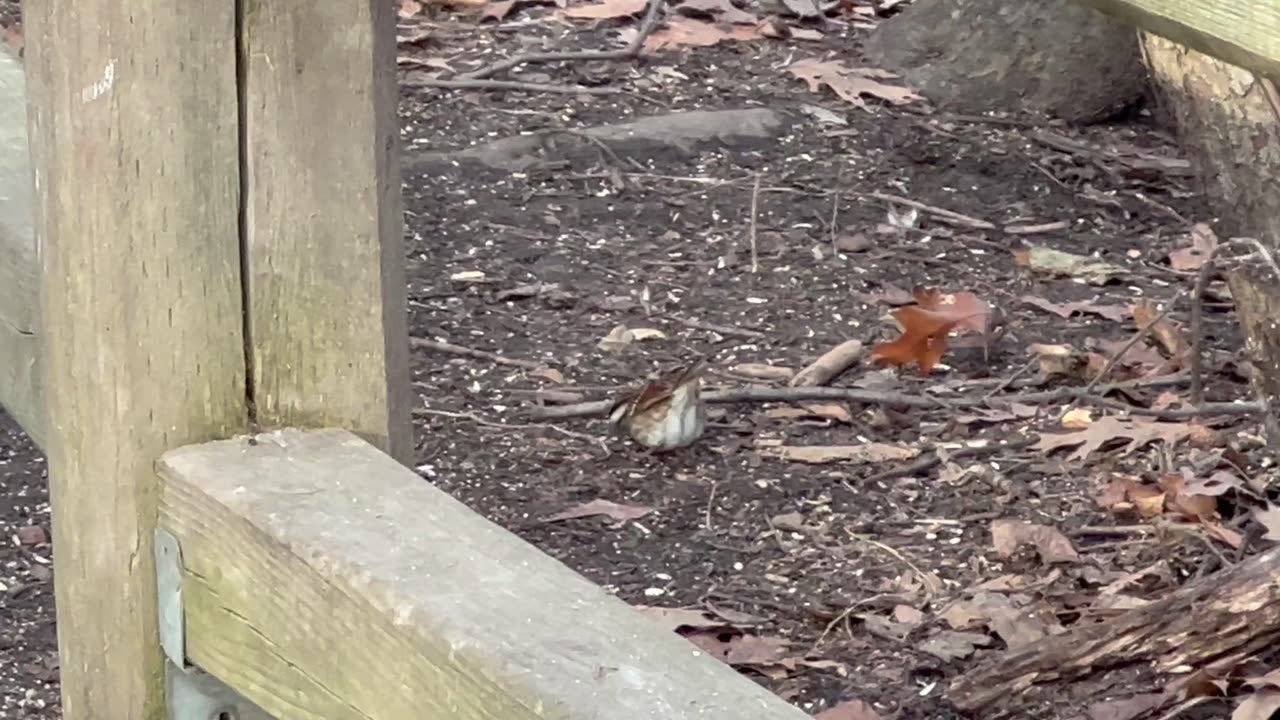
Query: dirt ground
point(845, 570)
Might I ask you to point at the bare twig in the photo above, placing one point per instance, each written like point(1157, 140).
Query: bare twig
point(1034, 229)
point(755, 208)
point(831, 364)
point(835, 211)
point(1010, 380)
point(942, 213)
point(510, 85)
point(437, 346)
point(647, 26)
point(425, 412)
point(711, 499)
point(1197, 327)
point(895, 399)
point(721, 329)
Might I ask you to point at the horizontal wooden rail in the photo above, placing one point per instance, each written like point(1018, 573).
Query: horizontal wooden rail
point(324, 579)
point(1242, 32)
point(20, 385)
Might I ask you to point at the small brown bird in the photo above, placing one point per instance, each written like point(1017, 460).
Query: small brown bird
point(666, 413)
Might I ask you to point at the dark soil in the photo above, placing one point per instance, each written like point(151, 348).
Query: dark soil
point(850, 570)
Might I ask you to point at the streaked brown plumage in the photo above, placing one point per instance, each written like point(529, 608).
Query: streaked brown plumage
point(666, 413)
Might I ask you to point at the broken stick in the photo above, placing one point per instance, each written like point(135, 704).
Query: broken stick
point(1228, 613)
point(830, 365)
point(437, 346)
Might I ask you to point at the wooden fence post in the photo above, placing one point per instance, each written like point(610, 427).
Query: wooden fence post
point(134, 143)
point(324, 228)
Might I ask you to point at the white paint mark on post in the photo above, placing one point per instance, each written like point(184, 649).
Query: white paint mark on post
point(100, 87)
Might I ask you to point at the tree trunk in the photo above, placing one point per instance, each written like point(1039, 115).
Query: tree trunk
point(1053, 56)
point(1227, 125)
point(1228, 122)
point(1224, 616)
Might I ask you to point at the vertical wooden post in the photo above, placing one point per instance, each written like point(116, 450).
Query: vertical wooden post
point(325, 247)
point(134, 144)
point(20, 391)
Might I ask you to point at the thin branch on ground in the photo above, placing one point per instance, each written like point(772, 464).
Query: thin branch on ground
point(1012, 378)
point(721, 329)
point(444, 347)
point(1197, 327)
point(1095, 395)
point(835, 212)
point(653, 13)
point(427, 412)
point(510, 85)
point(1035, 229)
point(941, 213)
point(755, 208)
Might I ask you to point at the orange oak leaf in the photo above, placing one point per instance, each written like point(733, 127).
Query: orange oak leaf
point(926, 324)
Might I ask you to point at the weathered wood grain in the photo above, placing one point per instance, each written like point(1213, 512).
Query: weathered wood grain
point(1233, 612)
point(20, 391)
point(324, 229)
point(324, 579)
point(133, 137)
point(1242, 32)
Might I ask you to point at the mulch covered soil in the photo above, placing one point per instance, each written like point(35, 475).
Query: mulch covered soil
point(878, 576)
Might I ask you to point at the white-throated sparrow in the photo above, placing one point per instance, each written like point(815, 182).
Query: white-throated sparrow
point(666, 413)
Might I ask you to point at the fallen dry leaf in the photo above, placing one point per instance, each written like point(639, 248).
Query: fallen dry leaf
point(833, 412)
point(1203, 243)
point(849, 710)
point(1055, 262)
point(907, 615)
point(1139, 432)
point(1269, 518)
point(1023, 627)
point(607, 10)
point(1050, 544)
point(855, 243)
point(676, 619)
point(1261, 705)
point(617, 340)
point(1141, 358)
point(497, 10)
point(951, 645)
point(1077, 419)
point(692, 32)
point(1115, 313)
point(548, 374)
point(724, 9)
point(1229, 537)
point(737, 648)
point(1192, 506)
point(926, 324)
point(1166, 333)
point(850, 83)
point(856, 454)
point(613, 510)
point(1268, 680)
